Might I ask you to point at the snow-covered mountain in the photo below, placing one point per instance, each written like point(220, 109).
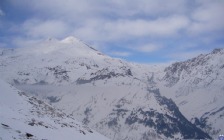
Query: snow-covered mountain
point(26, 117)
point(197, 87)
point(119, 99)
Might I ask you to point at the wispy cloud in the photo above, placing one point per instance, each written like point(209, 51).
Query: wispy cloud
point(130, 28)
point(42, 29)
point(121, 54)
point(1, 12)
point(208, 17)
point(117, 20)
point(24, 42)
point(148, 48)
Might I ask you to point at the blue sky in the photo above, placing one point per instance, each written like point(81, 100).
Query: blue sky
point(144, 31)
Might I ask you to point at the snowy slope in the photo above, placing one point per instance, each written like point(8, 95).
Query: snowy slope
point(197, 87)
point(25, 117)
point(119, 99)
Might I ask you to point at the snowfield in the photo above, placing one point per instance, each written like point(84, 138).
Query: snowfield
point(25, 117)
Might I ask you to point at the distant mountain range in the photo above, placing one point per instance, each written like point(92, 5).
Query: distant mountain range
point(119, 99)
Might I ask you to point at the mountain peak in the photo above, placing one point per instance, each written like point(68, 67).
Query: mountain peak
point(70, 39)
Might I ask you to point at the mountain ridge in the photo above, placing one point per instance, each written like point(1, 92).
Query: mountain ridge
point(198, 90)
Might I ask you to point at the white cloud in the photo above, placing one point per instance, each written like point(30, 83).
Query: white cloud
point(24, 42)
point(129, 29)
point(148, 48)
point(50, 28)
point(112, 20)
point(117, 20)
point(152, 8)
point(86, 8)
point(116, 14)
point(208, 17)
point(1, 13)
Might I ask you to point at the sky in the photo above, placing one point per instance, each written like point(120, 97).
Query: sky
point(143, 31)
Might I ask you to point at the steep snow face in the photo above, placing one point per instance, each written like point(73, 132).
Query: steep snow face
point(196, 85)
point(57, 62)
point(25, 117)
point(119, 99)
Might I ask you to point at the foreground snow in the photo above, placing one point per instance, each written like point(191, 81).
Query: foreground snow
point(24, 117)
